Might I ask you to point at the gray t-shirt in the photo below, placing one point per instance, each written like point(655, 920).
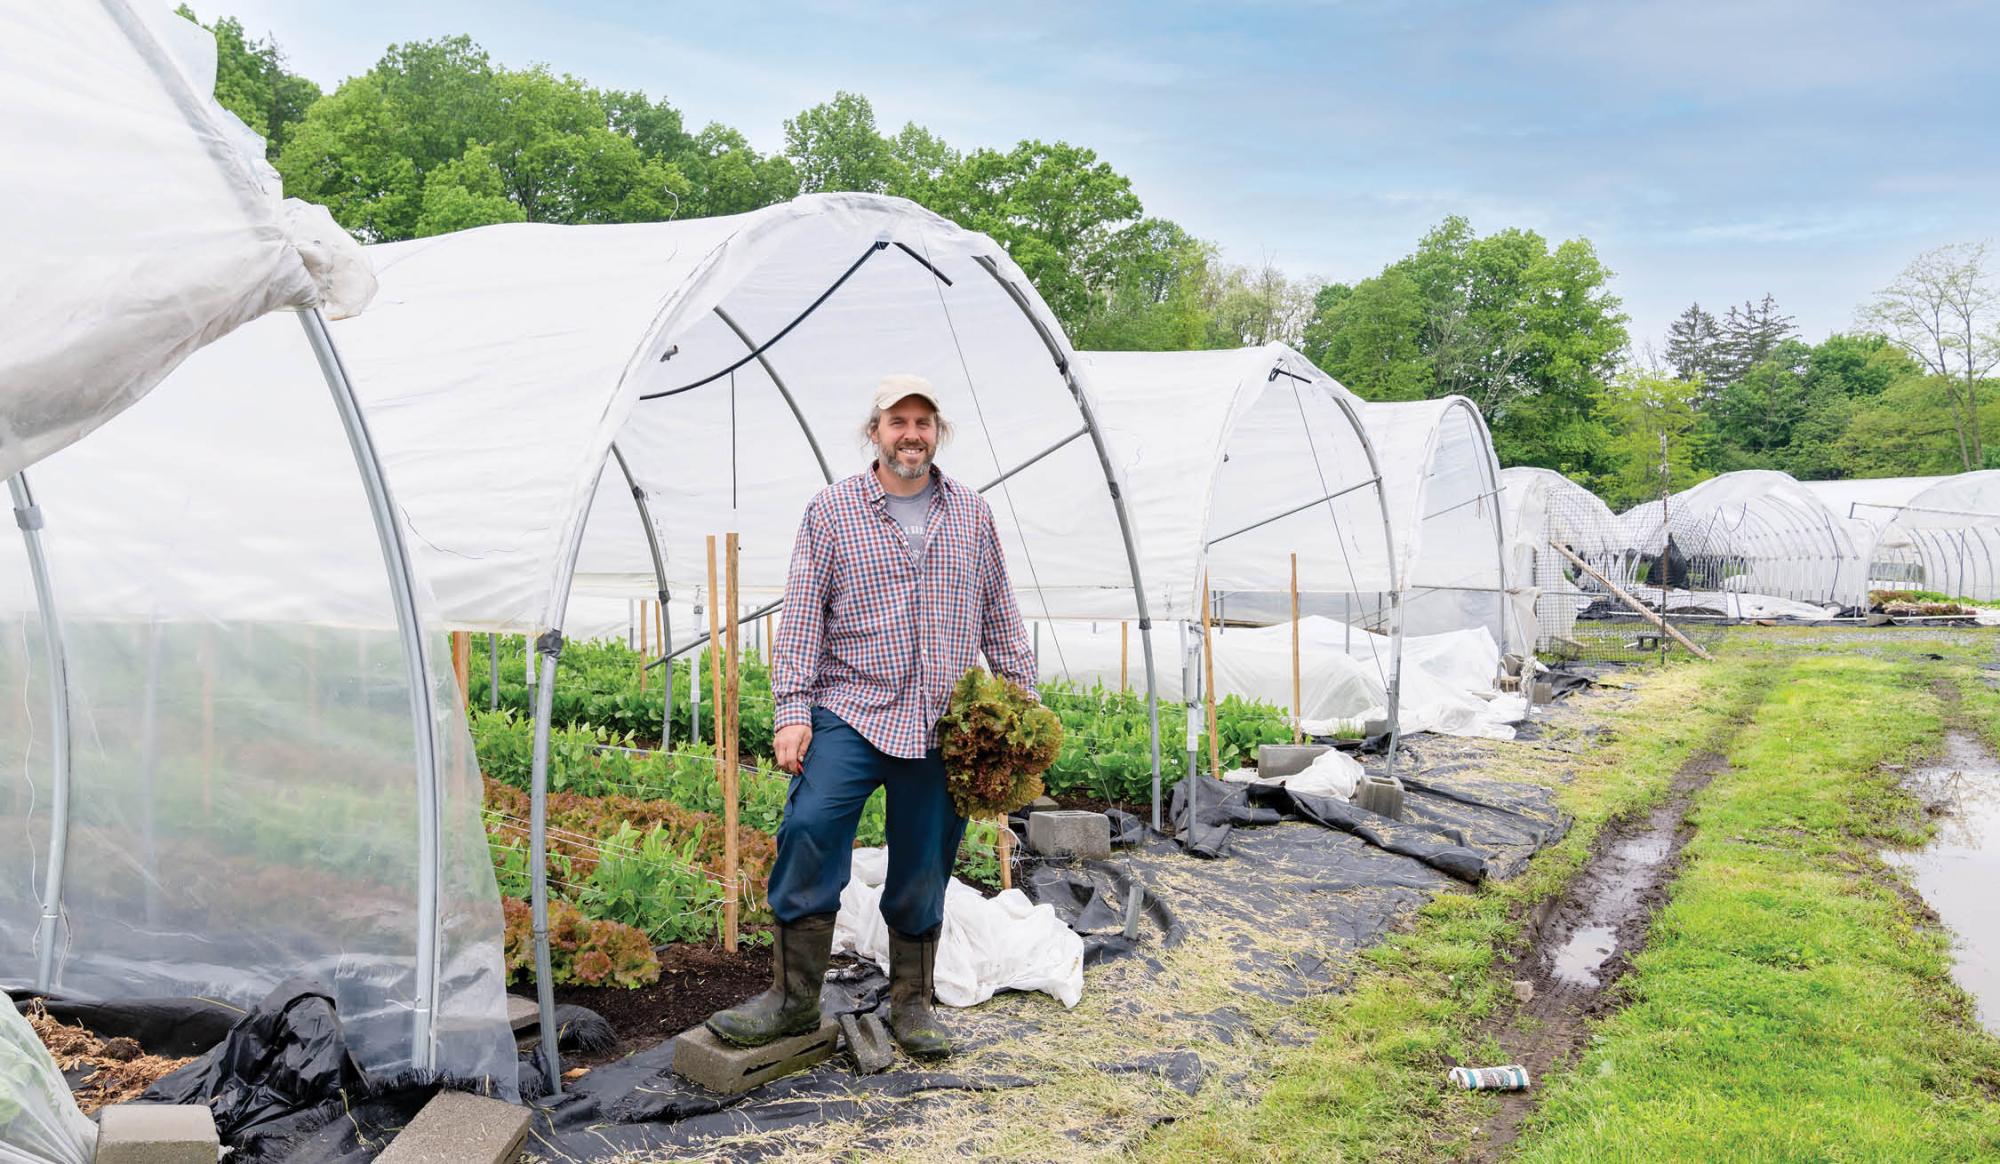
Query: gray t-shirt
point(912, 514)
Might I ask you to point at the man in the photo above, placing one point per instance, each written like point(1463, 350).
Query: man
point(896, 584)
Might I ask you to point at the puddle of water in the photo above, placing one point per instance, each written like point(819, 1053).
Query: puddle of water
point(1616, 894)
point(1956, 872)
point(1650, 849)
point(1578, 960)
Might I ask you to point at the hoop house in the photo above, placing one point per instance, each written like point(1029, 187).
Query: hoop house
point(1754, 532)
point(1545, 507)
point(1445, 509)
point(139, 220)
point(1233, 461)
point(236, 765)
point(1949, 533)
point(576, 408)
point(1870, 505)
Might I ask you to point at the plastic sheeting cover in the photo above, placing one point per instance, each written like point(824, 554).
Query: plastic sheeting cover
point(1757, 531)
point(497, 366)
point(1212, 443)
point(39, 1121)
point(245, 804)
point(138, 217)
point(1448, 678)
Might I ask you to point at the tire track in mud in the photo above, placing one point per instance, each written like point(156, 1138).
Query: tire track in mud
point(1581, 942)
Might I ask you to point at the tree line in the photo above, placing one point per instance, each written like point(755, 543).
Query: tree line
point(436, 137)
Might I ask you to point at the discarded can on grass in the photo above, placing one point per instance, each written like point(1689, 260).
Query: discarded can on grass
point(1509, 1078)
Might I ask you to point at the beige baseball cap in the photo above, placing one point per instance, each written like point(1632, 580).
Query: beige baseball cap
point(902, 386)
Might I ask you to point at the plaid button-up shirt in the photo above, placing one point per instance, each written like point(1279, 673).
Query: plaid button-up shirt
point(879, 638)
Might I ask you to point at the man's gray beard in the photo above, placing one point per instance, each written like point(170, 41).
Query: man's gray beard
point(894, 464)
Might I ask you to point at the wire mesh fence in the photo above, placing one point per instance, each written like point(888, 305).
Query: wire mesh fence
point(1600, 599)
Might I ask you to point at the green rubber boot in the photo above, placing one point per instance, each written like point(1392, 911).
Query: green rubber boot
point(791, 1006)
point(911, 1019)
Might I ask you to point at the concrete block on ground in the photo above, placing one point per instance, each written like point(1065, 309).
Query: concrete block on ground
point(1380, 795)
point(157, 1133)
point(1545, 691)
point(701, 1057)
point(869, 1042)
point(460, 1128)
point(1069, 833)
point(1274, 760)
point(523, 1014)
point(1043, 804)
point(1374, 727)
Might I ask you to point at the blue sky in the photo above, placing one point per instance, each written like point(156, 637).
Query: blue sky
point(1712, 151)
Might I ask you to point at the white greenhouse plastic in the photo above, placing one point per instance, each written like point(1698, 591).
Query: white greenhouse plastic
point(1755, 532)
point(1545, 507)
point(234, 767)
point(576, 408)
point(1947, 538)
point(1445, 508)
point(139, 219)
point(1870, 504)
point(1233, 461)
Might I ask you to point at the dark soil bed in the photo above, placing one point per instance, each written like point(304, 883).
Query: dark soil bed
point(695, 982)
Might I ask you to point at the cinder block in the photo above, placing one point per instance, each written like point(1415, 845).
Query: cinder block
point(460, 1128)
point(1374, 727)
point(1380, 795)
point(702, 1058)
point(1043, 804)
point(1545, 691)
point(522, 1013)
point(156, 1133)
point(1275, 760)
point(1070, 833)
point(868, 1041)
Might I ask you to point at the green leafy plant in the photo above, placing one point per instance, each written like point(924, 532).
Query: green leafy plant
point(997, 742)
point(582, 951)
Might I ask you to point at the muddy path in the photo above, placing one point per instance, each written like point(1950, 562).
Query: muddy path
point(1582, 942)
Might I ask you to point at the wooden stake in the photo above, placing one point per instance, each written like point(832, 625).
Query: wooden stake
point(1298, 690)
point(714, 648)
point(1004, 845)
point(1635, 604)
point(732, 743)
point(461, 665)
point(1208, 684)
point(645, 619)
point(1124, 656)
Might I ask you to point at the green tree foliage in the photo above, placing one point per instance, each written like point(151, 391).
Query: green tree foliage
point(835, 146)
point(1529, 333)
point(436, 138)
point(252, 82)
point(1944, 310)
point(1649, 416)
point(1694, 346)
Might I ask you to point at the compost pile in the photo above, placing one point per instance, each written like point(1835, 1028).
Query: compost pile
point(997, 741)
point(118, 1069)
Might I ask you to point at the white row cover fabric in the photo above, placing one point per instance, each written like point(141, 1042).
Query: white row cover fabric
point(1543, 506)
point(1333, 773)
point(1448, 678)
point(1443, 483)
point(138, 218)
point(245, 791)
point(1757, 531)
point(986, 945)
point(498, 367)
point(1945, 538)
point(1212, 443)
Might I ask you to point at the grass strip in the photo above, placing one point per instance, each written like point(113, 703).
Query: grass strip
point(1370, 1085)
point(1793, 1003)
